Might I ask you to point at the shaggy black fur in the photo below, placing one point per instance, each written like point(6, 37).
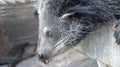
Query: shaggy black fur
point(88, 14)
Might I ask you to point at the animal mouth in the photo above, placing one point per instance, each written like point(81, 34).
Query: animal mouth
point(45, 62)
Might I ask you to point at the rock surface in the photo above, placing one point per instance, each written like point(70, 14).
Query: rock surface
point(18, 26)
point(68, 59)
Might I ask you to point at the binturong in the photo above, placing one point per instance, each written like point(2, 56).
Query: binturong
point(64, 24)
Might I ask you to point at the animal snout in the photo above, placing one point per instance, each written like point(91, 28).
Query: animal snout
point(41, 55)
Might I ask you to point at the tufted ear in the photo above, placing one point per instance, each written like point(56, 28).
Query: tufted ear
point(97, 13)
point(79, 10)
point(117, 32)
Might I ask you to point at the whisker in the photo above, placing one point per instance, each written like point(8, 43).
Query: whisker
point(61, 41)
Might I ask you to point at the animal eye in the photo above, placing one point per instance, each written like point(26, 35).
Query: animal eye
point(49, 34)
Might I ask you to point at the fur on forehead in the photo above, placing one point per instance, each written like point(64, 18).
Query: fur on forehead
point(88, 7)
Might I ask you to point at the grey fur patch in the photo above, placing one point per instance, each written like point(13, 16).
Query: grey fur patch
point(117, 33)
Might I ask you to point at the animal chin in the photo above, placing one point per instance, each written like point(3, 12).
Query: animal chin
point(56, 51)
point(45, 61)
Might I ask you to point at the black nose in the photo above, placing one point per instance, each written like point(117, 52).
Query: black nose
point(41, 55)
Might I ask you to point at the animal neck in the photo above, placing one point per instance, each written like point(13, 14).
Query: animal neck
point(99, 44)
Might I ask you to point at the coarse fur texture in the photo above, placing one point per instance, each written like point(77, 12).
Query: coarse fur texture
point(86, 24)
